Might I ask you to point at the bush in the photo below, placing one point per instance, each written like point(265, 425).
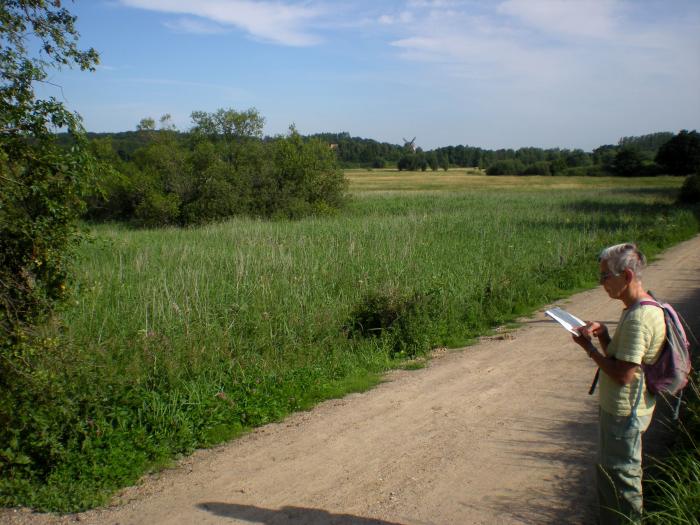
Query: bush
point(506, 167)
point(405, 322)
point(586, 171)
point(538, 168)
point(690, 191)
point(212, 177)
point(628, 162)
point(681, 154)
point(157, 209)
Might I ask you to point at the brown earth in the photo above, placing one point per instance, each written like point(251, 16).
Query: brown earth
point(500, 432)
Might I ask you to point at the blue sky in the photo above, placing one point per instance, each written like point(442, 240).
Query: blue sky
point(511, 73)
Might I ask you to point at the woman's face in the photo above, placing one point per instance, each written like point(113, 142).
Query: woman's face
point(613, 284)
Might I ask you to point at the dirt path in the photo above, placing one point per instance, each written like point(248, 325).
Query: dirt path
point(501, 432)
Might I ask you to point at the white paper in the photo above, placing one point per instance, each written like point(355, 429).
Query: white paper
point(564, 318)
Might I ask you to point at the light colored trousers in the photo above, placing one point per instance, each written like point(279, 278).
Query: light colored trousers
point(620, 469)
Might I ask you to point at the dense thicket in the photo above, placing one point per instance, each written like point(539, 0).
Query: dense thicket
point(221, 168)
point(40, 197)
point(681, 154)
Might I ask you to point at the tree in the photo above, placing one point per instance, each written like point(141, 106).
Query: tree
point(229, 123)
point(40, 183)
point(41, 187)
point(681, 154)
point(433, 161)
point(506, 167)
point(628, 162)
point(146, 124)
point(604, 156)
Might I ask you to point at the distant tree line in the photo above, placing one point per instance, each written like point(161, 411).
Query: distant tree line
point(654, 154)
point(356, 152)
point(223, 166)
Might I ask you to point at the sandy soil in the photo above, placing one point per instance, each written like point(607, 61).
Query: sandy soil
point(500, 432)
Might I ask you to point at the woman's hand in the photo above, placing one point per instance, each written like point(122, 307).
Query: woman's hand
point(593, 328)
point(587, 331)
point(583, 339)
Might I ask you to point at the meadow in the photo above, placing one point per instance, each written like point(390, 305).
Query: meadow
point(181, 338)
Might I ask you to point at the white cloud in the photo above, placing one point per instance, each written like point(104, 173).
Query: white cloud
point(547, 41)
point(277, 22)
point(194, 26)
point(578, 18)
point(403, 17)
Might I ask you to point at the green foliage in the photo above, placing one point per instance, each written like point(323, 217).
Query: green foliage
point(41, 184)
point(672, 492)
point(506, 167)
point(221, 169)
point(357, 151)
point(647, 144)
point(156, 209)
point(228, 124)
point(413, 161)
point(690, 191)
point(604, 156)
point(628, 162)
point(681, 154)
point(407, 324)
point(538, 168)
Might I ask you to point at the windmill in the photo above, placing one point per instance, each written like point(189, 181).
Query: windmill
point(409, 144)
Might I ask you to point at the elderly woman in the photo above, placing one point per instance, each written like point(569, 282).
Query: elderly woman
point(625, 412)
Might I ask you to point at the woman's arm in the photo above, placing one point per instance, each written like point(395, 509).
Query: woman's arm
point(621, 372)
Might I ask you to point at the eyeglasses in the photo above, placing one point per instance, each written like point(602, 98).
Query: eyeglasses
point(604, 276)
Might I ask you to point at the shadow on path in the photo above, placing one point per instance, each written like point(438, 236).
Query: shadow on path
point(569, 498)
point(286, 515)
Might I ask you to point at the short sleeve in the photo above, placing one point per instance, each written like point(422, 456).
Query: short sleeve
point(634, 340)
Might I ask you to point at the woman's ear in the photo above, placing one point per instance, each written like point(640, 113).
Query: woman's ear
point(629, 275)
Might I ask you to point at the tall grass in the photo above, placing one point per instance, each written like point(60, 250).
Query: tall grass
point(672, 492)
point(183, 338)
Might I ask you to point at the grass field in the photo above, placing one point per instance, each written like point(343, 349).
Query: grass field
point(472, 179)
point(180, 338)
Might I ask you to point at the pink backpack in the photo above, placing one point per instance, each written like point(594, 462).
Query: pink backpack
point(669, 373)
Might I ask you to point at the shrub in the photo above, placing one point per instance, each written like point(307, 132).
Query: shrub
point(628, 162)
point(538, 168)
point(506, 167)
point(586, 171)
point(405, 322)
point(690, 191)
point(157, 209)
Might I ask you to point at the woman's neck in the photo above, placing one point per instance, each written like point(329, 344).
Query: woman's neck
point(633, 293)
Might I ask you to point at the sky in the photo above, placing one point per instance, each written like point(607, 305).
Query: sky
point(493, 74)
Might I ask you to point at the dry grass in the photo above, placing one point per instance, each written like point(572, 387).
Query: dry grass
point(462, 179)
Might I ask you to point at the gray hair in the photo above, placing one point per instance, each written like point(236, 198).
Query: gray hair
point(623, 256)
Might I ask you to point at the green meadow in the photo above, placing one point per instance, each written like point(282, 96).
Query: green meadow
point(181, 338)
